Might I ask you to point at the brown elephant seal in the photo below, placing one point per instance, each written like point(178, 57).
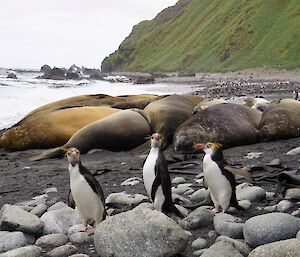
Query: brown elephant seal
point(257, 103)
point(281, 120)
point(167, 114)
point(136, 104)
point(229, 124)
point(120, 131)
point(206, 103)
point(52, 128)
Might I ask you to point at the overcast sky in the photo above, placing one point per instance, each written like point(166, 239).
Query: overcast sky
point(63, 32)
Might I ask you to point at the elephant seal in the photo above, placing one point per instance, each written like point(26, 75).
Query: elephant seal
point(51, 129)
point(120, 131)
point(257, 103)
point(281, 120)
point(167, 114)
point(206, 103)
point(229, 124)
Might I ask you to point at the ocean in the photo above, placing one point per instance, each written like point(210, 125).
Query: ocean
point(20, 96)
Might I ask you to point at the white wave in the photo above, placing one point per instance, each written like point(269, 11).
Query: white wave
point(19, 97)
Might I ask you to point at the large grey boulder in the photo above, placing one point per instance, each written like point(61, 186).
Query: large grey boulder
point(28, 251)
point(14, 218)
point(199, 218)
point(221, 249)
point(270, 227)
point(284, 248)
point(13, 240)
point(228, 225)
point(60, 220)
point(141, 232)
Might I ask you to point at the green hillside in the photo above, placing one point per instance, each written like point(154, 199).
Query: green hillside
point(213, 35)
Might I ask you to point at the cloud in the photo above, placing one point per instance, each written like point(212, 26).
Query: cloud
point(63, 32)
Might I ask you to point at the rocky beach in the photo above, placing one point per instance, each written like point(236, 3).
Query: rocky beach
point(41, 189)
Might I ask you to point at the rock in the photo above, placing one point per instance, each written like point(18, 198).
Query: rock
point(28, 251)
point(178, 180)
point(181, 189)
point(199, 243)
point(251, 193)
point(221, 249)
point(199, 218)
point(271, 208)
point(11, 76)
point(55, 73)
point(199, 195)
point(80, 237)
point(12, 240)
point(228, 225)
point(284, 206)
point(62, 251)
point(73, 75)
point(292, 193)
point(131, 181)
point(35, 201)
point(294, 151)
point(96, 76)
point(79, 255)
point(59, 221)
point(246, 204)
point(46, 68)
point(39, 210)
point(121, 199)
point(243, 248)
point(52, 240)
point(153, 232)
point(296, 213)
point(270, 227)
point(298, 235)
point(57, 206)
point(270, 195)
point(14, 218)
point(180, 199)
point(199, 252)
point(285, 248)
point(144, 80)
point(275, 163)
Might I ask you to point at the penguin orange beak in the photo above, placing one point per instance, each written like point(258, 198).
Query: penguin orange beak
point(199, 146)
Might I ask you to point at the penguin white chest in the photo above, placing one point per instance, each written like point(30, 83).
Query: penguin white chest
point(149, 170)
point(218, 184)
point(86, 200)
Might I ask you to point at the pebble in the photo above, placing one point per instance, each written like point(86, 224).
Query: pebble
point(39, 210)
point(294, 151)
point(199, 252)
point(271, 227)
point(62, 251)
point(285, 248)
point(131, 181)
point(79, 255)
point(298, 235)
point(11, 240)
point(243, 248)
point(178, 180)
point(80, 237)
point(275, 163)
point(59, 221)
point(14, 218)
point(270, 195)
point(199, 243)
point(28, 251)
point(251, 193)
point(221, 249)
point(178, 198)
point(123, 198)
point(246, 204)
point(228, 225)
point(292, 193)
point(52, 240)
point(284, 206)
point(50, 190)
point(199, 218)
point(270, 208)
point(199, 195)
point(57, 206)
point(253, 155)
point(155, 232)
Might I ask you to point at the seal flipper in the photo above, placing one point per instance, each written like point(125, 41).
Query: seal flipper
point(49, 154)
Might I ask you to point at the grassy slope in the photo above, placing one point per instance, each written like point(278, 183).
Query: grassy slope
point(216, 35)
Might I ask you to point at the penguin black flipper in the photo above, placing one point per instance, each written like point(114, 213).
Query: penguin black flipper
point(94, 184)
point(163, 178)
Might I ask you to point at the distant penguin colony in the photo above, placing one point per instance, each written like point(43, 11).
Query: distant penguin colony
point(220, 181)
point(157, 178)
point(86, 191)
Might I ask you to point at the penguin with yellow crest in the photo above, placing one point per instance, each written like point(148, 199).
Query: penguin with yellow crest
point(219, 180)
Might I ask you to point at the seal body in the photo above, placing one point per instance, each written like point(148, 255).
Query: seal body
point(157, 178)
point(230, 124)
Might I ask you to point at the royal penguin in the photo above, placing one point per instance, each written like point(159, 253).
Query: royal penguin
point(219, 180)
point(157, 180)
point(86, 191)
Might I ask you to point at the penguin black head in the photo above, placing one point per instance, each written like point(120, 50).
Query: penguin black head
point(156, 140)
point(73, 156)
